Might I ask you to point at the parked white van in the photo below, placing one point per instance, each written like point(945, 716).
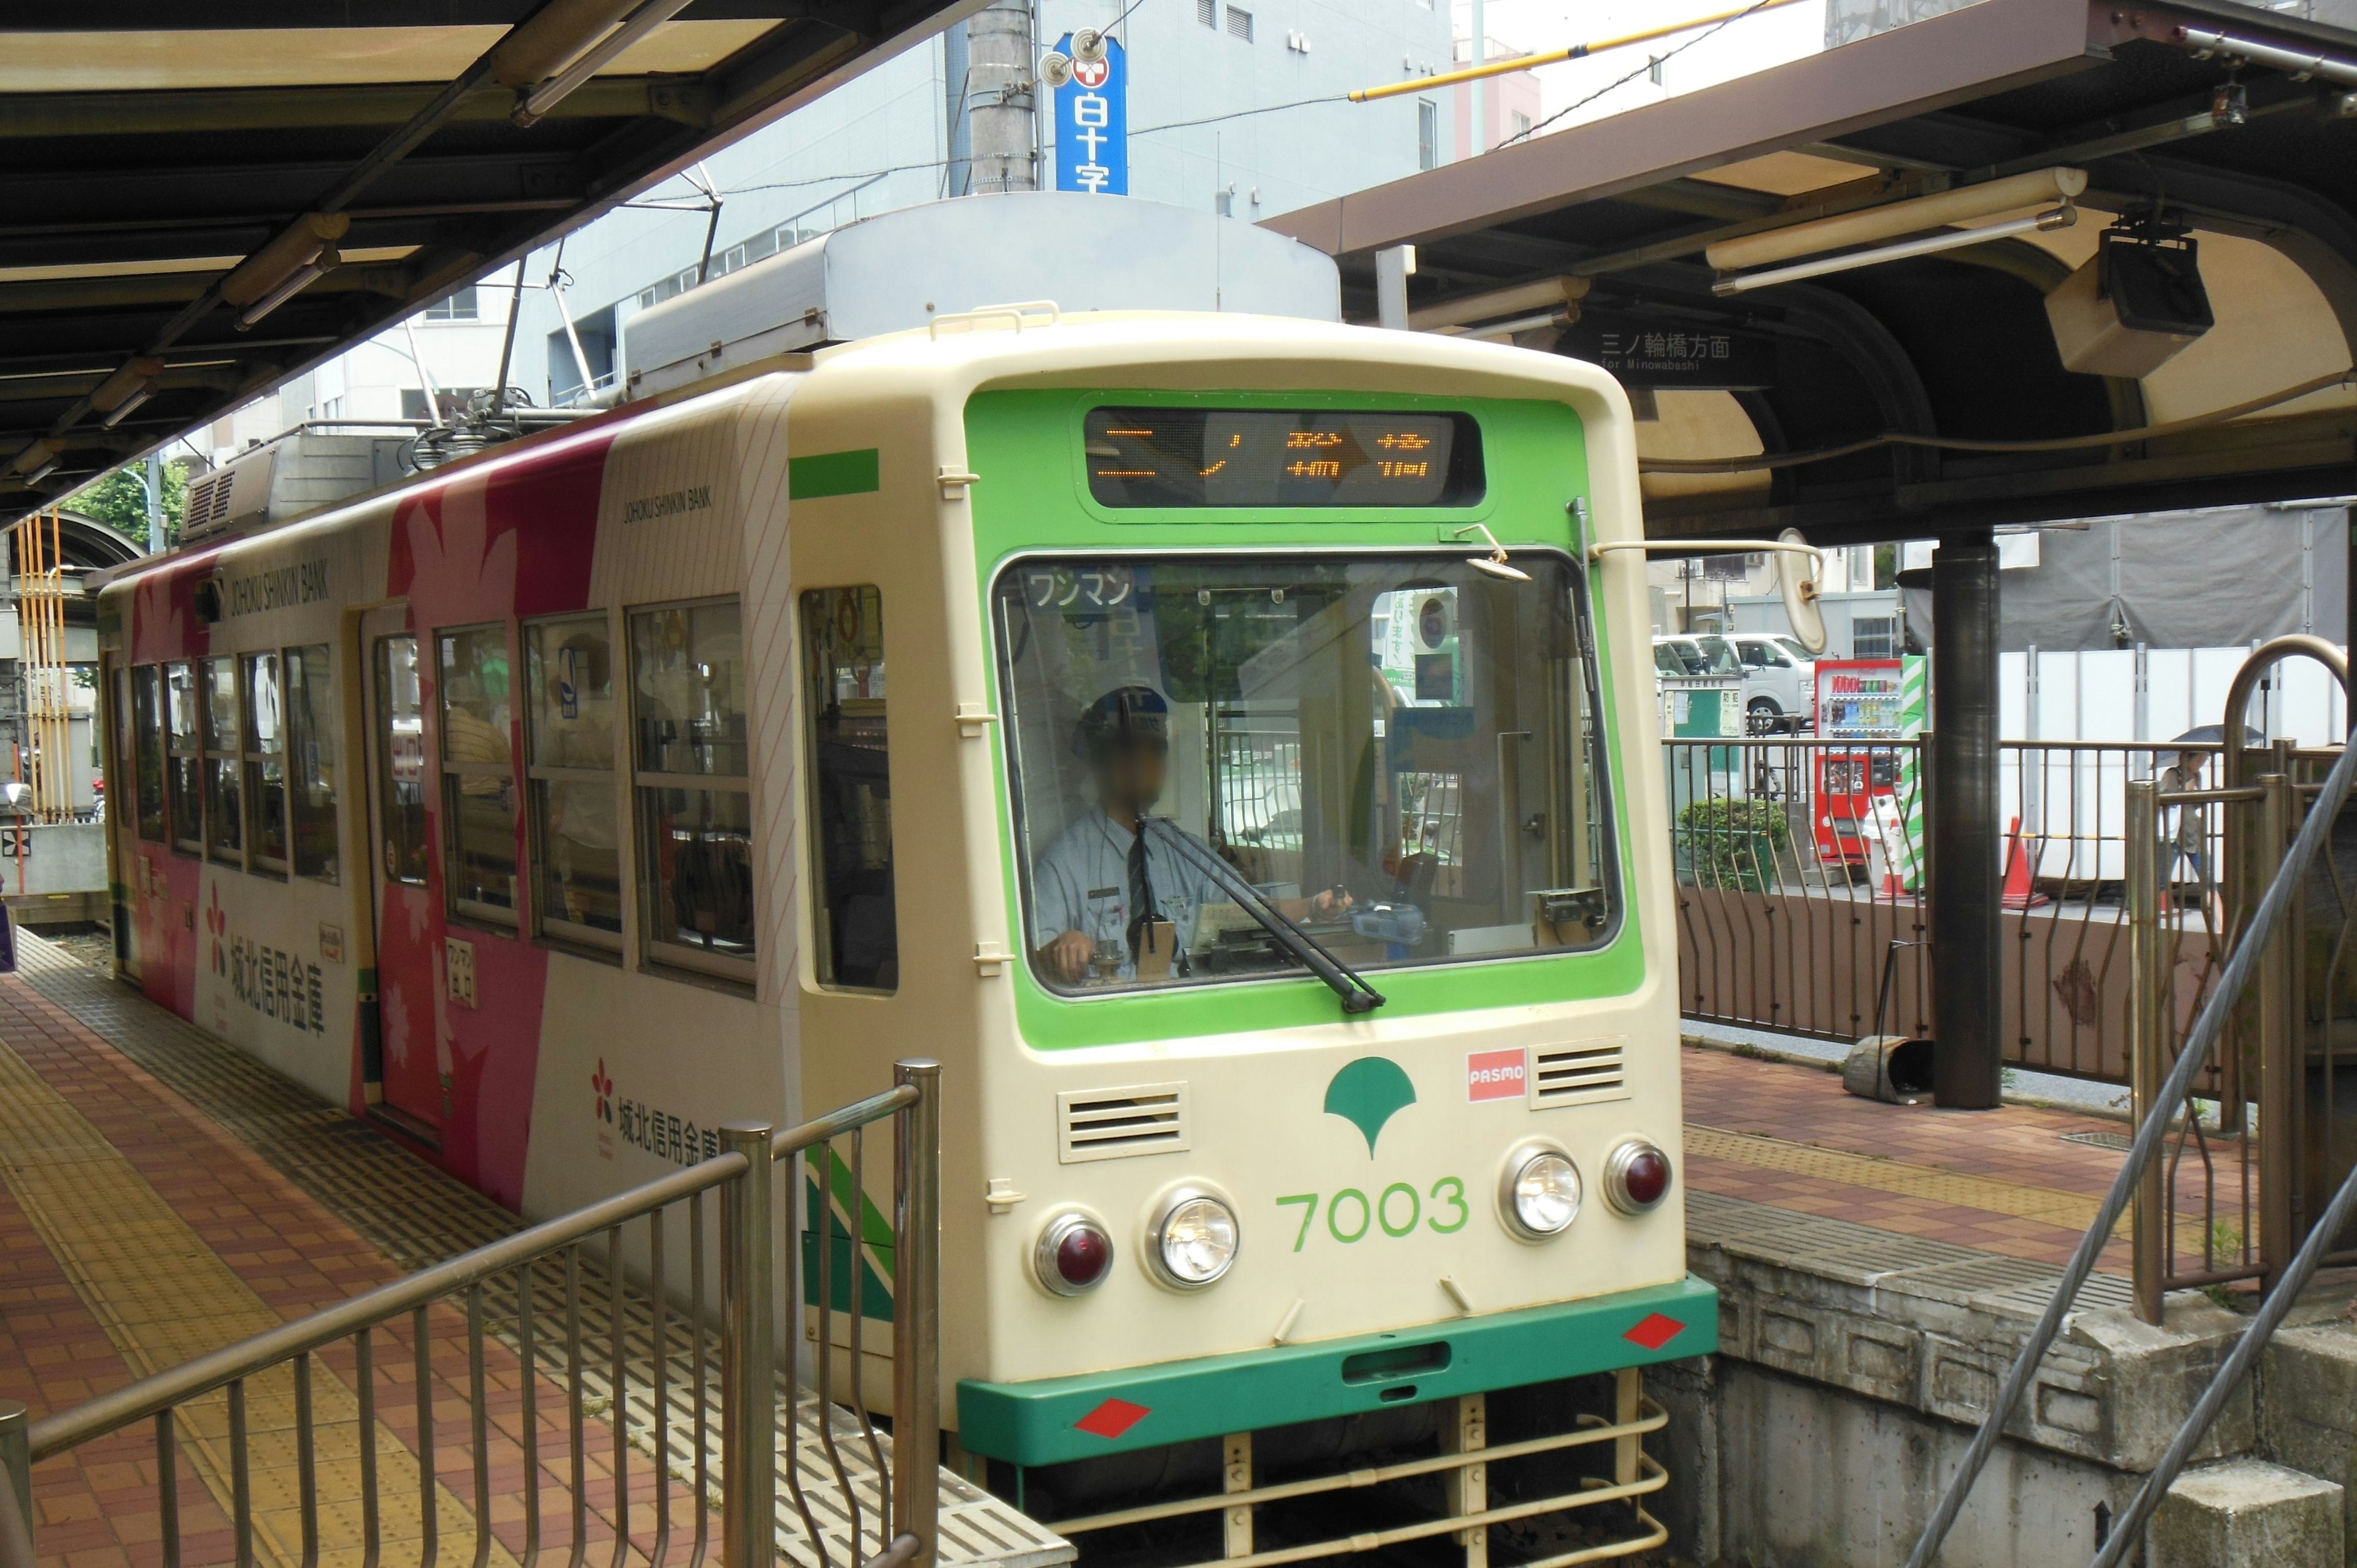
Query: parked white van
point(1780, 681)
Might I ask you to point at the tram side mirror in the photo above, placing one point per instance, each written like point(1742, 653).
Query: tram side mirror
point(1796, 574)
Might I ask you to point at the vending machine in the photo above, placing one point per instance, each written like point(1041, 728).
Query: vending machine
point(1868, 796)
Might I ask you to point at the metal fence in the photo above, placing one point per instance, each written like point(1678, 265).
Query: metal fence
point(2240, 1182)
point(326, 1437)
point(1803, 889)
point(1799, 885)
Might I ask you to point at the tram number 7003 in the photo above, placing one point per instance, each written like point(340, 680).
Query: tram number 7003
point(1397, 1211)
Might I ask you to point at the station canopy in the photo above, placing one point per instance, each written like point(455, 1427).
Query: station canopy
point(200, 199)
point(1913, 380)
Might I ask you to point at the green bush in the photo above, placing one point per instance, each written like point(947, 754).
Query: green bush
point(1733, 844)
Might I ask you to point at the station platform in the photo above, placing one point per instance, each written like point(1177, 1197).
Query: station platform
point(163, 1195)
point(2022, 1182)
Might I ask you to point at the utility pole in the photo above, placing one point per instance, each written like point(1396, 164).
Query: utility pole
point(1480, 85)
point(999, 97)
point(154, 478)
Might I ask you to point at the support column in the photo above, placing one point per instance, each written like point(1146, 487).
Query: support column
point(1967, 888)
point(1000, 63)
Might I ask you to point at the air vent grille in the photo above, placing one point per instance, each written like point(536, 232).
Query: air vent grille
point(1111, 1123)
point(207, 501)
point(1583, 1071)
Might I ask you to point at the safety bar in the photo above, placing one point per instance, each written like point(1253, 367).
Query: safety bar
point(743, 1172)
point(54, 1435)
point(2225, 997)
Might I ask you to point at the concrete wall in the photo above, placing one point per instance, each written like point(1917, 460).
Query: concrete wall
point(1777, 1472)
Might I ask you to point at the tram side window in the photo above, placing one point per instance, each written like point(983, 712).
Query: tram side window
point(311, 761)
point(692, 768)
point(850, 789)
point(224, 806)
point(186, 755)
point(117, 764)
point(266, 763)
point(570, 774)
point(400, 762)
point(147, 748)
point(479, 794)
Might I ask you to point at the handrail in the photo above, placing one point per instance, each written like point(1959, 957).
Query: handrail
point(16, 1540)
point(2225, 996)
point(54, 1435)
point(110, 1411)
point(835, 1124)
point(16, 1490)
point(2265, 657)
point(2129, 1527)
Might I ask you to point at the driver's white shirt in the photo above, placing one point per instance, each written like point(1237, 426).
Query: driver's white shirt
point(1081, 883)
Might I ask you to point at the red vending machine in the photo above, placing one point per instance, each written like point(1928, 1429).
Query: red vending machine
point(1863, 701)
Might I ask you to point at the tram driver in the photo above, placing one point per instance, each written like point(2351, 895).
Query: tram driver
point(1103, 884)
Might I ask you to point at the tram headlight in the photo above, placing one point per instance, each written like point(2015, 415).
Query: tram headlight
point(1636, 1176)
point(1540, 1191)
point(1194, 1238)
point(1073, 1255)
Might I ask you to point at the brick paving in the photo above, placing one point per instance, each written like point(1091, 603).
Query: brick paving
point(1997, 1158)
point(273, 1204)
point(269, 1253)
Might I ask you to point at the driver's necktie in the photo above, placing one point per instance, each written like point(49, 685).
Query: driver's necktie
point(1141, 894)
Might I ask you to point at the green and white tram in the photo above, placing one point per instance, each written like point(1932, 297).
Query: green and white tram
point(1210, 736)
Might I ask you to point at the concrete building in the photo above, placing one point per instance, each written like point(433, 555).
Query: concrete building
point(1228, 109)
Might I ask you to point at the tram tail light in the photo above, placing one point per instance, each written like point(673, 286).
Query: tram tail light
point(1636, 1176)
point(1074, 1254)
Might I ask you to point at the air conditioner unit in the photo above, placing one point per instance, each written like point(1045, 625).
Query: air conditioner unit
point(2133, 307)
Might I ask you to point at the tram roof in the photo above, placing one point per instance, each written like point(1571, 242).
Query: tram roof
point(1954, 345)
point(148, 146)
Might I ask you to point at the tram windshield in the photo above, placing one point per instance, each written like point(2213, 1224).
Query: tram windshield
point(1399, 753)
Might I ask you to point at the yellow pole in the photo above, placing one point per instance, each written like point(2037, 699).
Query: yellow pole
point(1551, 56)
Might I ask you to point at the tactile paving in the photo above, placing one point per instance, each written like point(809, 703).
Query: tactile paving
point(420, 1217)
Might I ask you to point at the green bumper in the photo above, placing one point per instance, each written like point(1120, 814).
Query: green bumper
point(1055, 1419)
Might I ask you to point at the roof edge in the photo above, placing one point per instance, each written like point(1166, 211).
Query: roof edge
point(1969, 53)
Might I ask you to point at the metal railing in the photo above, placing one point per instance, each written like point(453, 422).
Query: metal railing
point(2236, 1192)
point(307, 1442)
point(1800, 884)
point(1803, 903)
point(2264, 940)
point(2067, 858)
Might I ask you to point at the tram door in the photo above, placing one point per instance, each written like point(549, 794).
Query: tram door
point(411, 1081)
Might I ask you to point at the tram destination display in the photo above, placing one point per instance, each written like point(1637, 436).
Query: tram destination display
point(1281, 457)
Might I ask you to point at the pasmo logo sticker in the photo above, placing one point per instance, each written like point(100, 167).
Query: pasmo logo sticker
point(1497, 1075)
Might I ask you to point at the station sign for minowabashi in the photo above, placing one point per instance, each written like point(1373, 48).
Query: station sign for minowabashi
point(1664, 355)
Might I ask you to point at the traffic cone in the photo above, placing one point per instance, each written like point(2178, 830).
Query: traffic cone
point(2021, 891)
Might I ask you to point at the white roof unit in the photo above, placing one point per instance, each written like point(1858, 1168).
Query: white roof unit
point(897, 271)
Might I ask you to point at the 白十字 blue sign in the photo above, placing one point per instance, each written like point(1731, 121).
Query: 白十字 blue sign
point(1093, 124)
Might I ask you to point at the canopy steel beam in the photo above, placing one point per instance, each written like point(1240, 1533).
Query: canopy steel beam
point(179, 113)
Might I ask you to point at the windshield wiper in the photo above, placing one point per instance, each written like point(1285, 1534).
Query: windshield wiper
point(1357, 995)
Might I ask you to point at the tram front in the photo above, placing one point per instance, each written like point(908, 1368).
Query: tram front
point(1312, 1186)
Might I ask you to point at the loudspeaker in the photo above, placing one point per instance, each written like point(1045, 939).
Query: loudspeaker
point(2134, 306)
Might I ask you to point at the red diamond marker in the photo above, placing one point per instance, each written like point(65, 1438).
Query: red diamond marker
point(1655, 1331)
point(1111, 1419)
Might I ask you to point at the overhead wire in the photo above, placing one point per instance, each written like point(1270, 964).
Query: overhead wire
point(1652, 62)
